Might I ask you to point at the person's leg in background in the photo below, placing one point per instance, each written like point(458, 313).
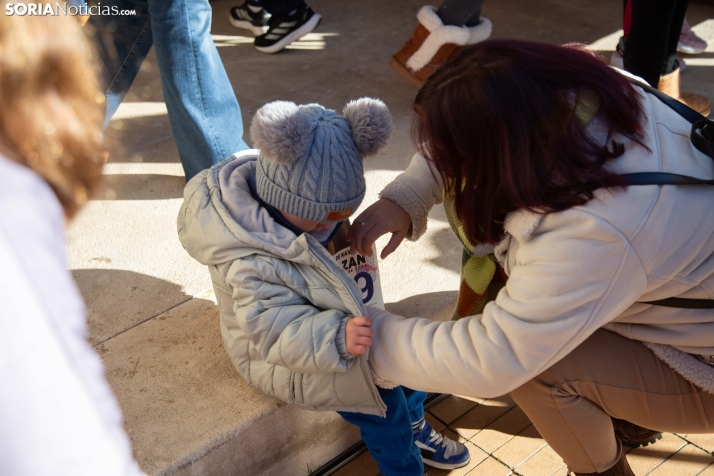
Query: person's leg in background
point(616, 59)
point(122, 43)
point(390, 439)
point(651, 48)
point(276, 22)
point(689, 43)
point(653, 21)
point(572, 404)
point(460, 12)
point(440, 35)
point(202, 107)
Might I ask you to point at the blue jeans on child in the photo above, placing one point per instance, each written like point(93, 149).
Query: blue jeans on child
point(203, 111)
point(390, 439)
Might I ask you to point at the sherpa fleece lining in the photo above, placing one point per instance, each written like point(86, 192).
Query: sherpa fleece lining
point(440, 35)
point(405, 197)
point(694, 371)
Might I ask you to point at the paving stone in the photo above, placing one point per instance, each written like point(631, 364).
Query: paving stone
point(689, 460)
point(130, 273)
point(708, 471)
point(453, 407)
point(561, 472)
point(544, 463)
point(435, 422)
point(521, 447)
point(477, 456)
point(490, 467)
point(502, 430)
point(644, 460)
point(481, 416)
point(703, 441)
point(188, 412)
point(363, 465)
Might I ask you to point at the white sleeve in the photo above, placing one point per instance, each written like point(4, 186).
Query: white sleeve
point(58, 415)
point(416, 190)
point(51, 424)
point(574, 275)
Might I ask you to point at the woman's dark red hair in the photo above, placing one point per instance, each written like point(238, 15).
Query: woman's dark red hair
point(500, 119)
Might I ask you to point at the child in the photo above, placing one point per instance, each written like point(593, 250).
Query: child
point(292, 320)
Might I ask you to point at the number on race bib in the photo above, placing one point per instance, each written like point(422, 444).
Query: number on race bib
point(368, 285)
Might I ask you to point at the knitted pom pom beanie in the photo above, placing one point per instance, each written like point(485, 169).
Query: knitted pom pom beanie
point(310, 161)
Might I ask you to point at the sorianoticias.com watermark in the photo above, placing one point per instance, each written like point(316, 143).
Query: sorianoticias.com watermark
point(56, 9)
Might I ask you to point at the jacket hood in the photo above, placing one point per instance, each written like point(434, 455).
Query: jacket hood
point(220, 221)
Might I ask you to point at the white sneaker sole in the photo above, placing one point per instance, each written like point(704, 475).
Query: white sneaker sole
point(445, 466)
point(308, 27)
point(246, 25)
point(689, 50)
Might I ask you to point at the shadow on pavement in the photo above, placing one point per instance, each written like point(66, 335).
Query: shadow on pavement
point(142, 187)
point(119, 300)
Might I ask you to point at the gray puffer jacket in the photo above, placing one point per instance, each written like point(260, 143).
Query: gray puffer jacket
point(283, 301)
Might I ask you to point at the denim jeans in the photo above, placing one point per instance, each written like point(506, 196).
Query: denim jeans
point(390, 440)
point(203, 111)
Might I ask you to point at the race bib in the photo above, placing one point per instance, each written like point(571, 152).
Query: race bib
point(364, 270)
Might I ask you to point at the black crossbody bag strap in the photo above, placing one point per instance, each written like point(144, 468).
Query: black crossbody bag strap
point(702, 138)
point(702, 135)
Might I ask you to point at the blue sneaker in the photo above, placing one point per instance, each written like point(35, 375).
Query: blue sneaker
point(437, 450)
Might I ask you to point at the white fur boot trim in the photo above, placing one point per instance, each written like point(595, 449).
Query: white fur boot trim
point(698, 373)
point(440, 35)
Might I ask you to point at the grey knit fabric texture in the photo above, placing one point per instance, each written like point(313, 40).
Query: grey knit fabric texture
point(324, 180)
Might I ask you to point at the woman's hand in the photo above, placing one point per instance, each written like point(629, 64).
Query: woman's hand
point(358, 335)
point(380, 218)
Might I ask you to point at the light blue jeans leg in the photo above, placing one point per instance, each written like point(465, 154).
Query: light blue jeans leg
point(203, 110)
point(122, 44)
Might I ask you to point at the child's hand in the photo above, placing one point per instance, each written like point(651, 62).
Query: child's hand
point(358, 335)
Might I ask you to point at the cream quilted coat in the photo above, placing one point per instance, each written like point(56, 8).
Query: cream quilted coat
point(571, 273)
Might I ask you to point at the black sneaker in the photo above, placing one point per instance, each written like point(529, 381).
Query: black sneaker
point(284, 30)
point(250, 16)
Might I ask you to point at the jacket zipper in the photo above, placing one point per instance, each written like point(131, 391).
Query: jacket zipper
point(357, 300)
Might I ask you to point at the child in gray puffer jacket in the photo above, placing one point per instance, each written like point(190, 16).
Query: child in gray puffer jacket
point(293, 322)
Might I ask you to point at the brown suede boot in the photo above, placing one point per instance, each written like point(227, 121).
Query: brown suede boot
point(669, 84)
point(621, 468)
point(433, 44)
point(634, 436)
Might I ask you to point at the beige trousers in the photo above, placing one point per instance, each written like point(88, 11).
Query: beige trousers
point(571, 403)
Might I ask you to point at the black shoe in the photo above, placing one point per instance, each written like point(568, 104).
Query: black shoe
point(634, 436)
point(251, 17)
point(284, 30)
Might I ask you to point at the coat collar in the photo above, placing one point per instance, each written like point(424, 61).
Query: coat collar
point(519, 224)
point(522, 223)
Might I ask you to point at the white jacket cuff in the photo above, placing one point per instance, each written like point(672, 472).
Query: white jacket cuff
point(403, 196)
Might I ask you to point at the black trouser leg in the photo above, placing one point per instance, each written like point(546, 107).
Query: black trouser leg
point(654, 33)
point(460, 12)
point(280, 8)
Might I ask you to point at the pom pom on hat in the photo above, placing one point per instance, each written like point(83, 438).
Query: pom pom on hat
point(281, 132)
point(371, 124)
